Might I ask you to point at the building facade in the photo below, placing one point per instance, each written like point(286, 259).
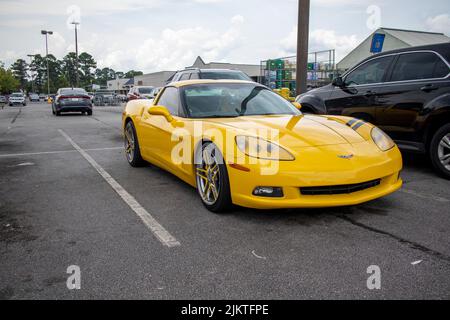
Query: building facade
point(385, 39)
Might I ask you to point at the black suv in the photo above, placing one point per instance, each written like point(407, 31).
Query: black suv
point(405, 92)
point(213, 74)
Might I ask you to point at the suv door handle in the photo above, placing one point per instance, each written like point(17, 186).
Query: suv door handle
point(429, 87)
point(369, 93)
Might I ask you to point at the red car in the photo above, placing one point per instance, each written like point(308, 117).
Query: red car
point(141, 92)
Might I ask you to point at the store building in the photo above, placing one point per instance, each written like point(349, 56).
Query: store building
point(385, 39)
point(158, 79)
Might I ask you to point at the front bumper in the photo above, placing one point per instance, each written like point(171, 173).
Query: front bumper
point(316, 168)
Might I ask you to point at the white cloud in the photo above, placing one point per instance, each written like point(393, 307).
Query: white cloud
point(439, 23)
point(321, 39)
point(170, 50)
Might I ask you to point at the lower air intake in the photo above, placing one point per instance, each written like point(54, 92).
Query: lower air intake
point(341, 189)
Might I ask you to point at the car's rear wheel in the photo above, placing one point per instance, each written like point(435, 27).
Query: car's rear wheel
point(131, 143)
point(89, 113)
point(440, 151)
point(212, 178)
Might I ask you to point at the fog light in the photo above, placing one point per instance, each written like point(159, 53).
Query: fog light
point(272, 192)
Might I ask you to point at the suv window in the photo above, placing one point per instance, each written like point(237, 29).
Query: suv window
point(417, 66)
point(169, 99)
point(441, 69)
point(185, 76)
point(194, 75)
point(370, 72)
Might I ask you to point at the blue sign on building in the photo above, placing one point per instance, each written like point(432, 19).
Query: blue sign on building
point(377, 43)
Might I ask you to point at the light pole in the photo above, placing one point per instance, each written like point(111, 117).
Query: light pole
point(302, 45)
point(32, 79)
point(46, 33)
point(76, 51)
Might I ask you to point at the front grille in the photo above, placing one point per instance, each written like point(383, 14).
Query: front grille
point(342, 189)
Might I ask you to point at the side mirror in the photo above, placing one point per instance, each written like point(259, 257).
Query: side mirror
point(160, 111)
point(338, 82)
point(297, 105)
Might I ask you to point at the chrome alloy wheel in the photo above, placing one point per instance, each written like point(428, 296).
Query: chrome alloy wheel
point(208, 176)
point(444, 151)
point(129, 142)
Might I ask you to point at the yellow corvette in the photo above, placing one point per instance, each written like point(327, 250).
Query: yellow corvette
point(239, 143)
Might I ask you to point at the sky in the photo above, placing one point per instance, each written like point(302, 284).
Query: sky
point(155, 35)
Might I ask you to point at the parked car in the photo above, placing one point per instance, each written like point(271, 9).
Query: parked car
point(17, 98)
point(212, 74)
point(318, 162)
point(34, 97)
point(405, 92)
point(140, 92)
point(72, 100)
point(42, 96)
point(3, 100)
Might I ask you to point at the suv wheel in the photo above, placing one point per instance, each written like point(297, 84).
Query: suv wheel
point(440, 151)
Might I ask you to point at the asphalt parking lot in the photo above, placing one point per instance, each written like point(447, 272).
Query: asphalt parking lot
point(57, 210)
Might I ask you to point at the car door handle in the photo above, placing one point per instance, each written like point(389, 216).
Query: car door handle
point(369, 93)
point(428, 88)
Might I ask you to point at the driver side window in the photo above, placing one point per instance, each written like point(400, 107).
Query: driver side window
point(169, 99)
point(370, 72)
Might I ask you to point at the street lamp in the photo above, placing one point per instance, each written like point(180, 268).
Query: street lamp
point(46, 33)
point(76, 51)
point(32, 78)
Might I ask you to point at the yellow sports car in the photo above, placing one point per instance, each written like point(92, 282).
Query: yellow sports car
point(239, 143)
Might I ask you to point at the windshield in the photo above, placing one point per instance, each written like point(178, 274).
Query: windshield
point(17, 95)
point(221, 75)
point(233, 100)
point(73, 91)
point(145, 90)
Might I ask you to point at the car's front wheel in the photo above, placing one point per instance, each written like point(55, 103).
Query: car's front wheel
point(212, 179)
point(440, 151)
point(131, 143)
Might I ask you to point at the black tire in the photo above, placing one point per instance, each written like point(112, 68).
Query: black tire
point(223, 201)
point(438, 150)
point(89, 113)
point(132, 151)
point(57, 113)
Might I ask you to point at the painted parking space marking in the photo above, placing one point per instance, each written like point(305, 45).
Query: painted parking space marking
point(155, 227)
point(53, 152)
point(424, 196)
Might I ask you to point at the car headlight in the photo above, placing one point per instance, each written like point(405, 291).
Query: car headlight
point(381, 139)
point(262, 149)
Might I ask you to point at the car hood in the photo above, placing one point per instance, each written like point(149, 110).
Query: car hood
point(294, 131)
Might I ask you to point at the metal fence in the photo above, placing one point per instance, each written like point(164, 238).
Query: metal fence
point(282, 72)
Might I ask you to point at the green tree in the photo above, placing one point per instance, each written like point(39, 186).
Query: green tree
point(8, 82)
point(87, 66)
point(133, 73)
point(19, 70)
point(103, 75)
point(68, 68)
point(38, 67)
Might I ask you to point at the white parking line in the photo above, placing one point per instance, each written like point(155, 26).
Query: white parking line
point(424, 196)
point(53, 152)
point(157, 229)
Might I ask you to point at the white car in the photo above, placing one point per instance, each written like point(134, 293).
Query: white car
point(34, 97)
point(17, 98)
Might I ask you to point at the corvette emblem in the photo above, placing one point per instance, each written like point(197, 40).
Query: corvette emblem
point(346, 156)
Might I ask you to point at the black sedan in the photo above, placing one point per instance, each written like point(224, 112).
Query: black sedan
point(72, 100)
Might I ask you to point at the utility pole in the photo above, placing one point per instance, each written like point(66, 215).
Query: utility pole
point(46, 33)
point(302, 45)
point(76, 52)
point(32, 78)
